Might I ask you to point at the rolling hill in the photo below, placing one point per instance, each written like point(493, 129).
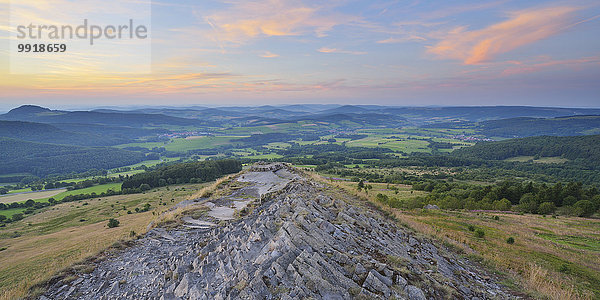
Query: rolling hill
point(38, 114)
point(577, 148)
point(525, 127)
point(43, 159)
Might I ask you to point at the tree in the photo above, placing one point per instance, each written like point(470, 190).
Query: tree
point(361, 185)
point(145, 187)
point(528, 203)
point(29, 203)
point(584, 208)
point(503, 205)
point(546, 208)
point(569, 200)
point(112, 223)
point(596, 201)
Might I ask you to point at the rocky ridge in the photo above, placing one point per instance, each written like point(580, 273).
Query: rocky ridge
point(285, 237)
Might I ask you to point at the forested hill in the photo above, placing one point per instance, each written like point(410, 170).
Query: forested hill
point(584, 149)
point(43, 115)
point(43, 159)
point(46, 133)
point(524, 127)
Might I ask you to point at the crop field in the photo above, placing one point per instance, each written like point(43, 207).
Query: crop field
point(37, 247)
point(397, 144)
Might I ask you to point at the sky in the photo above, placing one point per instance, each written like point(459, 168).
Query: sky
point(406, 53)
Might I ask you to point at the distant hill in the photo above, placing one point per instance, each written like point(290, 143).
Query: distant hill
point(524, 127)
point(46, 133)
point(119, 132)
point(360, 115)
point(346, 109)
point(581, 149)
point(354, 119)
point(38, 114)
point(42, 159)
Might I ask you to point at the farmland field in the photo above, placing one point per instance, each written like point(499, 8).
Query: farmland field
point(30, 195)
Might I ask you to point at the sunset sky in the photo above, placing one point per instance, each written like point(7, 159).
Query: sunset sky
point(544, 53)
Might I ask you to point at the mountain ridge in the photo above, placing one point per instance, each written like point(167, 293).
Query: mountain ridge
point(287, 238)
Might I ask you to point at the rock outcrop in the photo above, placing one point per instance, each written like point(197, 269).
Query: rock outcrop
point(294, 242)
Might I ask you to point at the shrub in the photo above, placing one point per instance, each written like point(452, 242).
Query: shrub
point(528, 203)
point(17, 217)
point(546, 208)
point(497, 218)
point(503, 205)
point(510, 240)
point(584, 208)
point(112, 223)
point(471, 228)
point(479, 233)
point(564, 268)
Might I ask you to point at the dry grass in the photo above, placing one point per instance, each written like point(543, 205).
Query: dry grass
point(208, 191)
point(68, 233)
point(26, 196)
point(540, 280)
point(543, 262)
point(172, 218)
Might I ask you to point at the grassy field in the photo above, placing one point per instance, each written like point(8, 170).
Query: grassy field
point(40, 245)
point(551, 258)
point(541, 160)
point(204, 142)
point(33, 195)
point(98, 189)
point(20, 191)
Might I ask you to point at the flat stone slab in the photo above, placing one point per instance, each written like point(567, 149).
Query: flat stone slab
point(222, 213)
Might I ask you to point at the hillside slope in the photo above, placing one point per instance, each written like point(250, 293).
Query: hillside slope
point(582, 148)
point(46, 133)
point(43, 159)
point(525, 127)
point(287, 238)
point(38, 114)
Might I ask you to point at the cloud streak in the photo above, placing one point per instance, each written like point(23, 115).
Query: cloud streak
point(336, 50)
point(246, 20)
point(522, 28)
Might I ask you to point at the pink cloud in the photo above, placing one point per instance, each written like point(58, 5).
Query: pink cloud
point(536, 67)
point(269, 54)
point(522, 28)
point(336, 50)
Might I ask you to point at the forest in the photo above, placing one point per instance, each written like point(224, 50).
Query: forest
point(194, 172)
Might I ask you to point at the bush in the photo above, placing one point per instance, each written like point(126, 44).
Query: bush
point(528, 203)
point(471, 228)
point(497, 218)
point(502, 205)
point(479, 233)
point(564, 268)
point(112, 223)
point(510, 240)
point(546, 208)
point(584, 208)
point(17, 217)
